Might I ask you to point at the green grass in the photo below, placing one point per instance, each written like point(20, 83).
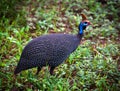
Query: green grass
point(92, 67)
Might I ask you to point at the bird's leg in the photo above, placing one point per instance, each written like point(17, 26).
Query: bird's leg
point(38, 70)
point(51, 70)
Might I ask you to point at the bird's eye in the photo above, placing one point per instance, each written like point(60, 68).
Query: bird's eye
point(85, 22)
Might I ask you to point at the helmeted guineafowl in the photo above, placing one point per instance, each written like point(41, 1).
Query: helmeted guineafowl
point(51, 49)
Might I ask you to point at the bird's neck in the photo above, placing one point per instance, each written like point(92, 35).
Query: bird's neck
point(79, 36)
point(81, 29)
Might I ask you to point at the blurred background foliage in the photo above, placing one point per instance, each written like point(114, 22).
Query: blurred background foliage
point(94, 66)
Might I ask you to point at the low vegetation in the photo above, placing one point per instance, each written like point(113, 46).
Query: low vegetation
point(94, 66)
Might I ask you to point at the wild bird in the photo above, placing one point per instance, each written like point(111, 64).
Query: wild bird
point(51, 49)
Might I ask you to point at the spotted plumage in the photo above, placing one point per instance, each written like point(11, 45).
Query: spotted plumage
point(49, 50)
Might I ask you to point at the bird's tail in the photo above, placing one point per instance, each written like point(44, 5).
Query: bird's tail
point(17, 71)
point(24, 65)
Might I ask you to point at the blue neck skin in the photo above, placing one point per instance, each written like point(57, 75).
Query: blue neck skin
point(81, 28)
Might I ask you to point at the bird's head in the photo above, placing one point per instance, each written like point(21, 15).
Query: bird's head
point(83, 24)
